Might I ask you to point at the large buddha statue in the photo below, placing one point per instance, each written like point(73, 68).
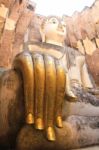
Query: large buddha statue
point(46, 78)
point(49, 68)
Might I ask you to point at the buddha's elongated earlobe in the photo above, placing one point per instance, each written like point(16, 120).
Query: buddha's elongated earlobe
point(42, 35)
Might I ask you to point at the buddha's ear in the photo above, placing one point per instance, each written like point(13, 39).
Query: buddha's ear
point(64, 18)
point(42, 33)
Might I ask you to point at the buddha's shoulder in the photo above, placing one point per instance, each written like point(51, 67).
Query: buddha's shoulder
point(46, 48)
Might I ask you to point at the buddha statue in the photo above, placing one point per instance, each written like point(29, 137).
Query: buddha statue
point(46, 79)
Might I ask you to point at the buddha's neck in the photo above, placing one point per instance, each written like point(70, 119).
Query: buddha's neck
point(54, 42)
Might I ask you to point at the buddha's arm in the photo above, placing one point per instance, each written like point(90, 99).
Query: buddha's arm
point(85, 77)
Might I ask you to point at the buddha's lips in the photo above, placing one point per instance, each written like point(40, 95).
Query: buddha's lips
point(60, 30)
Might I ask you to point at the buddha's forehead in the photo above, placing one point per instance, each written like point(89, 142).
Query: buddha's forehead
point(54, 17)
point(49, 18)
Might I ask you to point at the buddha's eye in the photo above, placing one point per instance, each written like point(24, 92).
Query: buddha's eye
point(53, 20)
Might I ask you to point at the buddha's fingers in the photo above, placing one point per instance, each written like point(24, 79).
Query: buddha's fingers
point(60, 92)
point(23, 63)
point(50, 95)
point(39, 72)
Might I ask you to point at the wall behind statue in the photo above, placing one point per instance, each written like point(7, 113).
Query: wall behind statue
point(15, 16)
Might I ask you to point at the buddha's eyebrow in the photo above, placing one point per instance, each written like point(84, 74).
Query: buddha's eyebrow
point(53, 18)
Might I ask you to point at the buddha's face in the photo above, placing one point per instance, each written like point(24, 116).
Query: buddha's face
point(54, 30)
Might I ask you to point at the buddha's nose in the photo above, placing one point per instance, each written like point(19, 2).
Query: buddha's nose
point(60, 25)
